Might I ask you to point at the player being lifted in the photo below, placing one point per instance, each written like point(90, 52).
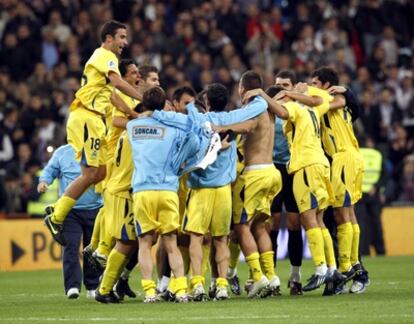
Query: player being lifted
point(86, 124)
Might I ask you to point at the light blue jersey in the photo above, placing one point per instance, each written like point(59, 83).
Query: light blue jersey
point(281, 153)
point(223, 170)
point(160, 150)
point(64, 167)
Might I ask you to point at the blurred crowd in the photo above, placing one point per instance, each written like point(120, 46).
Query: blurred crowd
point(44, 45)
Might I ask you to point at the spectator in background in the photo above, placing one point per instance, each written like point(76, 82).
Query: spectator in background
point(50, 53)
point(6, 151)
point(368, 209)
point(390, 113)
point(196, 43)
point(407, 184)
point(60, 31)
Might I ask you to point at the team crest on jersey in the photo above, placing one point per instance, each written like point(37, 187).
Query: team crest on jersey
point(112, 64)
point(147, 132)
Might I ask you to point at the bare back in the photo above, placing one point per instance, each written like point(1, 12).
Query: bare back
point(258, 146)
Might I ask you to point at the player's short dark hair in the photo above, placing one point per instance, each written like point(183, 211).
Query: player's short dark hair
point(326, 74)
point(287, 74)
point(146, 69)
point(110, 28)
point(218, 96)
point(251, 80)
point(273, 90)
point(179, 92)
point(154, 99)
point(123, 65)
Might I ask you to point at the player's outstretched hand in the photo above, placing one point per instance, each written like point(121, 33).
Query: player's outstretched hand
point(336, 89)
point(301, 87)
point(250, 94)
point(42, 187)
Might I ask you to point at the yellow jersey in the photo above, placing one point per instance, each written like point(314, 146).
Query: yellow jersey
point(115, 132)
point(302, 130)
point(122, 168)
point(95, 91)
point(337, 131)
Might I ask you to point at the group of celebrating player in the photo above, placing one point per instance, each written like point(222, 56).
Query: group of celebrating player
point(168, 178)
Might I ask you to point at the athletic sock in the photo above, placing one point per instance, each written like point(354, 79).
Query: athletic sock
point(345, 237)
point(62, 208)
point(266, 259)
point(295, 274)
point(328, 248)
point(355, 244)
point(114, 267)
point(295, 248)
point(96, 230)
point(133, 261)
point(196, 280)
point(222, 282)
point(149, 287)
point(254, 266)
point(273, 238)
point(180, 286)
point(316, 246)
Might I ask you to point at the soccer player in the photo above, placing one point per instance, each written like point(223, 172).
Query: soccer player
point(79, 222)
point(311, 173)
point(159, 151)
point(342, 146)
point(181, 97)
point(149, 77)
point(86, 124)
point(120, 215)
point(286, 79)
point(97, 253)
point(262, 184)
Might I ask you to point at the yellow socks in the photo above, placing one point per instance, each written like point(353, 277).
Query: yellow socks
point(355, 244)
point(222, 282)
point(149, 287)
point(345, 236)
point(96, 231)
point(205, 264)
point(316, 245)
point(62, 208)
point(254, 266)
point(180, 286)
point(197, 280)
point(234, 254)
point(328, 249)
point(106, 241)
point(171, 284)
point(266, 259)
point(185, 253)
point(114, 267)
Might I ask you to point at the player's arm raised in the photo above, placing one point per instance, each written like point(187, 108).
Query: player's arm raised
point(123, 86)
point(311, 101)
point(274, 106)
point(239, 128)
point(121, 106)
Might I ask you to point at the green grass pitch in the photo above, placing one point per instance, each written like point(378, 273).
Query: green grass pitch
point(37, 297)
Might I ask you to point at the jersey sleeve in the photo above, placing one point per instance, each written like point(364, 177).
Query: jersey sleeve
point(322, 109)
point(105, 62)
point(256, 107)
point(52, 169)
